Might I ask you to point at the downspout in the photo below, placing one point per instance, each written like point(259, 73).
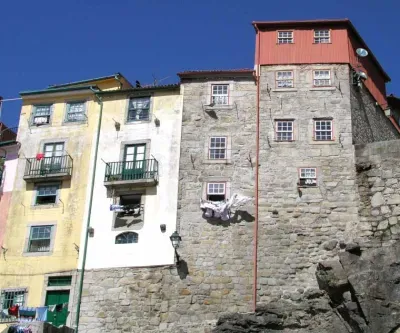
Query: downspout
point(255, 250)
point(78, 307)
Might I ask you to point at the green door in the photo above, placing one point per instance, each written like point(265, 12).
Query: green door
point(134, 165)
point(59, 315)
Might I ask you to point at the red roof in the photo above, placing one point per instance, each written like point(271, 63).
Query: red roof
point(216, 72)
point(346, 22)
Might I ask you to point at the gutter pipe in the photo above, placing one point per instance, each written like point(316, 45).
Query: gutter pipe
point(255, 250)
point(78, 307)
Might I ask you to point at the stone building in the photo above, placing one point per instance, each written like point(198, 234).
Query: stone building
point(284, 136)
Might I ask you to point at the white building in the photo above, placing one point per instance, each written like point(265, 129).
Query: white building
point(138, 169)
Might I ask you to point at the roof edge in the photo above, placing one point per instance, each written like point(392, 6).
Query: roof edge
point(149, 88)
point(202, 73)
point(107, 77)
point(55, 90)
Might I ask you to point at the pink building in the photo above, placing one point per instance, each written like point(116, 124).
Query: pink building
point(8, 164)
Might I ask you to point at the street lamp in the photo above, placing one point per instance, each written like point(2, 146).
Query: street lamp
point(176, 241)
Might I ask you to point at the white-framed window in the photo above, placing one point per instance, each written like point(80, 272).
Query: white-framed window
point(138, 109)
point(308, 176)
point(220, 94)
point(284, 130)
point(322, 78)
point(323, 130)
point(285, 37)
point(47, 194)
point(217, 148)
point(284, 79)
point(216, 191)
point(322, 36)
point(76, 112)
point(41, 115)
point(40, 238)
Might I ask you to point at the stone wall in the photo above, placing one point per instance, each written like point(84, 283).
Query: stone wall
point(378, 180)
point(301, 226)
point(369, 122)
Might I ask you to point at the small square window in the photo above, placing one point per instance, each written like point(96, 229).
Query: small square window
point(285, 37)
point(217, 148)
point(76, 112)
point(323, 130)
point(284, 79)
point(39, 239)
point(284, 130)
point(41, 115)
point(139, 109)
point(322, 78)
point(308, 176)
point(322, 36)
point(219, 94)
point(46, 194)
point(11, 297)
point(216, 191)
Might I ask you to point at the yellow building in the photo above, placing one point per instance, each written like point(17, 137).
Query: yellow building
point(39, 258)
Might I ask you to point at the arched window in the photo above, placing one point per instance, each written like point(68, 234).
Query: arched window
point(127, 238)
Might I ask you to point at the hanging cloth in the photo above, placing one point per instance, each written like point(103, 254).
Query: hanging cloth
point(41, 313)
point(13, 310)
point(39, 157)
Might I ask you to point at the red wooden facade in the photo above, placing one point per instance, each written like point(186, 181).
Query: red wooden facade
point(341, 49)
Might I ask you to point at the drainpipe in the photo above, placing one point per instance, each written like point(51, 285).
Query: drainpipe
point(255, 250)
point(78, 307)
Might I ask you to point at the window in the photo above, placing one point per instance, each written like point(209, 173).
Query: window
point(41, 115)
point(216, 191)
point(129, 212)
point(284, 130)
point(323, 130)
point(127, 238)
point(217, 149)
point(39, 239)
point(322, 78)
point(285, 37)
point(76, 112)
point(11, 297)
point(284, 79)
point(46, 194)
point(322, 36)
point(308, 176)
point(139, 109)
point(219, 95)
point(59, 281)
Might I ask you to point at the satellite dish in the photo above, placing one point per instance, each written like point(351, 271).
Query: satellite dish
point(362, 75)
point(362, 52)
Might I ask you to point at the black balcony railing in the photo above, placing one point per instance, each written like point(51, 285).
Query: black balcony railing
point(48, 166)
point(132, 171)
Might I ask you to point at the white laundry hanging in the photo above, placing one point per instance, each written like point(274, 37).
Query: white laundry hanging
point(222, 209)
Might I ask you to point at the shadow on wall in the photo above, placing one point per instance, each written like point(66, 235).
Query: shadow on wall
point(182, 269)
point(239, 216)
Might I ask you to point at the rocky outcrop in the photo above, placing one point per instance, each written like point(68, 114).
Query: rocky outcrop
point(359, 293)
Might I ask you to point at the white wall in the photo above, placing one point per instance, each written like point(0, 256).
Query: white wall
point(154, 247)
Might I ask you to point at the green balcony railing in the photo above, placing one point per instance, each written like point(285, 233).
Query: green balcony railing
point(48, 166)
point(132, 171)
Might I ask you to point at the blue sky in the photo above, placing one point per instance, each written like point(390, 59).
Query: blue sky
point(46, 42)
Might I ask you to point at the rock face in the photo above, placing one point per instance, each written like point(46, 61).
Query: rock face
point(359, 293)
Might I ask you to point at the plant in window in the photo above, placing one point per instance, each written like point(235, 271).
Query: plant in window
point(39, 240)
point(219, 94)
point(41, 115)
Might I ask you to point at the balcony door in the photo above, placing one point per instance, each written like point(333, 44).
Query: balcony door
point(134, 165)
point(53, 153)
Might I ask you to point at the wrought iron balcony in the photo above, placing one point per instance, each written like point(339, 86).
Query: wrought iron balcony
point(48, 168)
point(141, 173)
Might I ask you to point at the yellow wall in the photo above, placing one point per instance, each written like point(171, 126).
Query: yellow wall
point(16, 269)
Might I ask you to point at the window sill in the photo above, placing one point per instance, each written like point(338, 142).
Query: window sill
point(39, 126)
point(323, 88)
point(218, 107)
point(37, 254)
point(305, 186)
point(49, 206)
point(226, 161)
point(70, 123)
point(137, 122)
point(314, 43)
point(331, 142)
point(284, 89)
